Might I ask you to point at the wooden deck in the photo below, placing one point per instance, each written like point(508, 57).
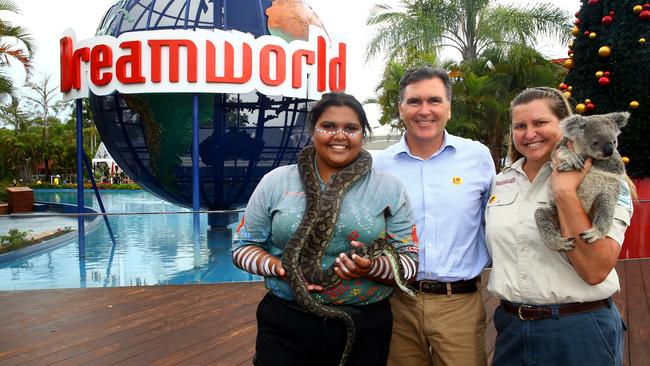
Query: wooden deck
point(200, 324)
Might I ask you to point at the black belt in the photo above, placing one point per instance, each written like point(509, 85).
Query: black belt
point(350, 309)
point(446, 288)
point(539, 312)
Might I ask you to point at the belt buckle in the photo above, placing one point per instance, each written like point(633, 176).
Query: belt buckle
point(519, 311)
point(420, 286)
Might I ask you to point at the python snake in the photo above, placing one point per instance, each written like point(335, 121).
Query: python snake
point(303, 253)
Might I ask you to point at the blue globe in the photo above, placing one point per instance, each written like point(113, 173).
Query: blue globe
point(242, 136)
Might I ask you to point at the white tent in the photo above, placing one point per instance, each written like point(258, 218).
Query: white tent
point(102, 156)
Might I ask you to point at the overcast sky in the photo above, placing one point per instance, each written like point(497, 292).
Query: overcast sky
point(47, 19)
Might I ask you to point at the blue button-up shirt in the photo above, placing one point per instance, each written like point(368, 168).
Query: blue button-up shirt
point(448, 193)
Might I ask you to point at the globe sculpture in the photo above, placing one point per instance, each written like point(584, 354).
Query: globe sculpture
point(242, 136)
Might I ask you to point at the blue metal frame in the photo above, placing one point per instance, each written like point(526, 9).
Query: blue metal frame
point(196, 203)
point(80, 181)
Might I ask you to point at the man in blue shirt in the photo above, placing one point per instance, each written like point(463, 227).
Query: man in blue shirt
point(448, 180)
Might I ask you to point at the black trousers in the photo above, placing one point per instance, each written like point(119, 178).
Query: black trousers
point(289, 336)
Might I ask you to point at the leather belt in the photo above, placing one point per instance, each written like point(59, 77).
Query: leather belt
point(446, 288)
point(539, 312)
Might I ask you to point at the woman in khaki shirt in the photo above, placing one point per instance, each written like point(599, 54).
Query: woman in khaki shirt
point(556, 307)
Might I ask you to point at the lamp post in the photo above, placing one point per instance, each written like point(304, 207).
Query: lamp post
point(27, 170)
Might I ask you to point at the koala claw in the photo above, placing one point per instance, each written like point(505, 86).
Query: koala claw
point(591, 235)
point(569, 160)
point(565, 244)
point(565, 167)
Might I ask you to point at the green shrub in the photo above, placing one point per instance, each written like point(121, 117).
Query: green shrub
point(125, 186)
point(14, 239)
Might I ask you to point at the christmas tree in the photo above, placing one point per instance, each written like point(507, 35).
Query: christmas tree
point(608, 71)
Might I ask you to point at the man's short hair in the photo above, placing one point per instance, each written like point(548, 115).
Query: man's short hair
point(425, 72)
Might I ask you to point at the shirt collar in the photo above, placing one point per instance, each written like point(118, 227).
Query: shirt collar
point(448, 140)
point(518, 166)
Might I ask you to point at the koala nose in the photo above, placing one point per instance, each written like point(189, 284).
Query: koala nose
point(608, 149)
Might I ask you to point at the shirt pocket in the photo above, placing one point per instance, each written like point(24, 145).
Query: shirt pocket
point(500, 207)
point(502, 199)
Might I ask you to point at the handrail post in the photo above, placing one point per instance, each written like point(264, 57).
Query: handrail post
point(80, 179)
point(196, 206)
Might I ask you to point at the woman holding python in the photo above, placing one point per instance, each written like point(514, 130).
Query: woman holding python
point(323, 233)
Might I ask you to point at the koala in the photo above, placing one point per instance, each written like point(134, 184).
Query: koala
point(595, 137)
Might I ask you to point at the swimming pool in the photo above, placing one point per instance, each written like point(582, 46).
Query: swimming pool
point(149, 250)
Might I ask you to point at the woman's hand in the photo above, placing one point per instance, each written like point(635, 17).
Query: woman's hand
point(281, 273)
point(350, 268)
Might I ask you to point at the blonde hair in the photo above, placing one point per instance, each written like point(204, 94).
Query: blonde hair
point(557, 102)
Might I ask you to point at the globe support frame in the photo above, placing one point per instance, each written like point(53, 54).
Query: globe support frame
point(196, 205)
point(80, 181)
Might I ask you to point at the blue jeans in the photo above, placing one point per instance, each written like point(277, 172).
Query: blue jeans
point(591, 338)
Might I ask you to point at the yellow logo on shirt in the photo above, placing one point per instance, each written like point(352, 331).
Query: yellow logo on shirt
point(492, 199)
point(457, 180)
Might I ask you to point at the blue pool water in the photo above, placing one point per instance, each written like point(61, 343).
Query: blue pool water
point(149, 250)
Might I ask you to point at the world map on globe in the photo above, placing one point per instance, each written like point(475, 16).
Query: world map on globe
point(241, 136)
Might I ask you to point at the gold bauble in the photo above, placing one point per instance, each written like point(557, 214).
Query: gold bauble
point(581, 108)
point(567, 94)
point(569, 63)
point(634, 104)
point(604, 51)
point(571, 44)
point(641, 40)
point(625, 160)
point(592, 35)
point(587, 101)
point(575, 31)
point(637, 8)
point(570, 88)
point(599, 74)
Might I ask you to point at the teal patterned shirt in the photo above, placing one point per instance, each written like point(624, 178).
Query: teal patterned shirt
point(276, 207)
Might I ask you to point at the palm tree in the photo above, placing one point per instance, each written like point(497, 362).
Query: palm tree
point(484, 88)
point(468, 26)
point(43, 105)
point(12, 114)
point(22, 51)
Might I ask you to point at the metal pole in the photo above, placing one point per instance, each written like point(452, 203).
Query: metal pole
point(196, 219)
point(80, 181)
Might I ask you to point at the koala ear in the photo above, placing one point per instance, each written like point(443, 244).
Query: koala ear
point(619, 118)
point(573, 126)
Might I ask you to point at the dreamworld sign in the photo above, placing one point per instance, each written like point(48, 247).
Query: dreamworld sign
point(202, 61)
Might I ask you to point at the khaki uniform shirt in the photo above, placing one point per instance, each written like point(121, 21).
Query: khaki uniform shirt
point(524, 269)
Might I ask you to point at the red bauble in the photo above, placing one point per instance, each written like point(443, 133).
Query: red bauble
point(592, 2)
point(606, 74)
point(590, 106)
point(563, 86)
point(577, 13)
point(577, 21)
point(645, 15)
point(603, 81)
point(611, 13)
point(607, 20)
point(586, 33)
